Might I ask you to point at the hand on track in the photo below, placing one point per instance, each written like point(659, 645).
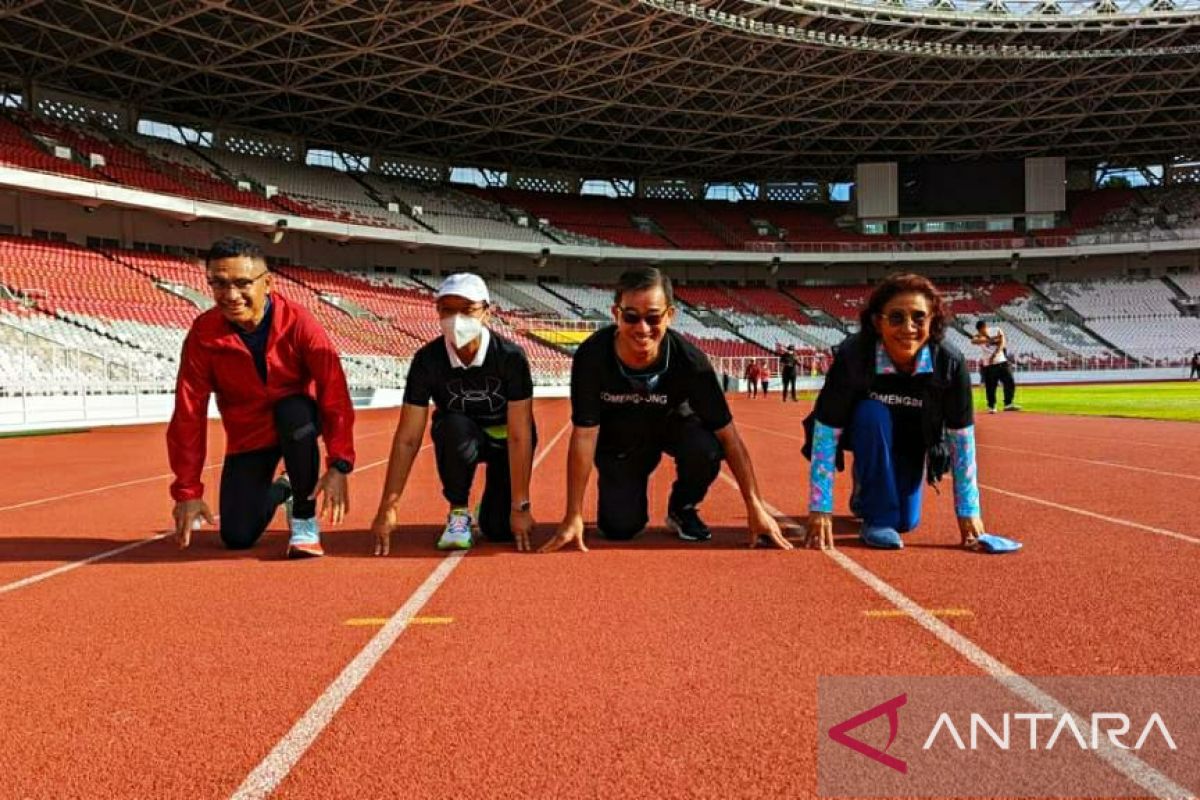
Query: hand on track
point(334, 494)
point(187, 514)
point(819, 531)
point(571, 530)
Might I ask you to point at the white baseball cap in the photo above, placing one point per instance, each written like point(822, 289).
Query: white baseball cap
point(465, 284)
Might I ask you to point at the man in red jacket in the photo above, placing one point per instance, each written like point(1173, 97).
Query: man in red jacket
point(279, 384)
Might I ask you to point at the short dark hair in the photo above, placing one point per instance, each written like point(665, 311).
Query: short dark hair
point(980, 325)
point(639, 278)
point(903, 283)
point(233, 247)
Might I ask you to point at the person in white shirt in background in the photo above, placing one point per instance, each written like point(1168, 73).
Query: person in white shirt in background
point(994, 367)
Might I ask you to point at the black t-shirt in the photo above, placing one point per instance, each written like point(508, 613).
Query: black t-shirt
point(256, 340)
point(481, 393)
point(631, 406)
point(903, 394)
point(787, 362)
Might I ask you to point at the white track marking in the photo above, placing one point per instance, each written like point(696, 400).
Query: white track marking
point(116, 551)
point(1110, 440)
point(266, 777)
point(1084, 512)
point(50, 573)
point(123, 484)
point(1113, 464)
point(1144, 775)
point(97, 490)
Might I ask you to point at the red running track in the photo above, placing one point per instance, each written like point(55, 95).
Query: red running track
point(652, 668)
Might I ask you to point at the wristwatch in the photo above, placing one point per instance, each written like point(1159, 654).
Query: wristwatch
point(343, 466)
point(521, 506)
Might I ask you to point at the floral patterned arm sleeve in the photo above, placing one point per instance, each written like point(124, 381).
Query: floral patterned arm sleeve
point(820, 476)
point(966, 484)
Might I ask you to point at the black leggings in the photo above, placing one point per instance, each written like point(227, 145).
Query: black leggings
point(789, 381)
point(624, 477)
point(994, 374)
point(460, 445)
point(247, 504)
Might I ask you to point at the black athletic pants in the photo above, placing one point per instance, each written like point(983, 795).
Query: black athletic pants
point(994, 374)
point(624, 477)
point(789, 380)
point(247, 504)
point(460, 444)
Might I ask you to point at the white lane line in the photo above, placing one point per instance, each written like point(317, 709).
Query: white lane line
point(1113, 464)
point(1084, 512)
point(116, 551)
point(1114, 520)
point(1110, 440)
point(266, 777)
point(1124, 762)
point(768, 430)
point(151, 479)
point(41, 576)
point(1144, 775)
point(96, 490)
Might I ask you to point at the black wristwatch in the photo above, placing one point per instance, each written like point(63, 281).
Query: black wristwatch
point(343, 466)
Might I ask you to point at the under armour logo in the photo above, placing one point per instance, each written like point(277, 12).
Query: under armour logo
point(488, 397)
point(892, 709)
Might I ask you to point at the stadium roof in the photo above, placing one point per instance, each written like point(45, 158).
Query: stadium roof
point(716, 89)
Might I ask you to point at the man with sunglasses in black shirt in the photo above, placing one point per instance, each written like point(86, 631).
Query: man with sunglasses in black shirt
point(638, 390)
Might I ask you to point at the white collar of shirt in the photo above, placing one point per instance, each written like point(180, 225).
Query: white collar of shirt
point(480, 354)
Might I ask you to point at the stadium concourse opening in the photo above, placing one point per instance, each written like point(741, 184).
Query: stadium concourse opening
point(1037, 160)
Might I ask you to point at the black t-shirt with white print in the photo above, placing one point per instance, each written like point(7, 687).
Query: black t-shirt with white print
point(631, 406)
point(481, 393)
point(902, 393)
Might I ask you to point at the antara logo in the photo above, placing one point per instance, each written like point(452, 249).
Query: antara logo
point(1104, 728)
point(892, 709)
point(1112, 725)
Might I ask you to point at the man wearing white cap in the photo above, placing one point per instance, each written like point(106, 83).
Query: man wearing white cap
point(482, 393)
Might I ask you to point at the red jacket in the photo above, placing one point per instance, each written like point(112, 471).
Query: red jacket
point(300, 360)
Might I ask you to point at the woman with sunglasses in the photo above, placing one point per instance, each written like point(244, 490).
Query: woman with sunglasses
point(900, 399)
point(638, 390)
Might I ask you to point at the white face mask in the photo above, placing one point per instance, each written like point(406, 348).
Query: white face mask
point(460, 330)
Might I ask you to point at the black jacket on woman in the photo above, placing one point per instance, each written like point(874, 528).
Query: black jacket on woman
point(946, 397)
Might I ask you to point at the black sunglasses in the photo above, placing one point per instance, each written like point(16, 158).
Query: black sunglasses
point(630, 316)
point(898, 318)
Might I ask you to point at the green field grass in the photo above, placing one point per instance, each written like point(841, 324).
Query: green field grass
point(1177, 401)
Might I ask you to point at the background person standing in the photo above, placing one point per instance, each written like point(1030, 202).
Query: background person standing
point(994, 367)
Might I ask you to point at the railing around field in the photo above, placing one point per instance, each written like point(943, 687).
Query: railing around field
point(913, 245)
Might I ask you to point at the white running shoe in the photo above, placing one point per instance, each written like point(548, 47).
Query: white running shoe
point(457, 534)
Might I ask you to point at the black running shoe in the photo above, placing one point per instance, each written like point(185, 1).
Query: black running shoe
point(687, 525)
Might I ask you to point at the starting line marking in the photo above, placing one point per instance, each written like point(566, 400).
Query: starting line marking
point(888, 613)
point(370, 622)
point(267, 776)
point(1124, 762)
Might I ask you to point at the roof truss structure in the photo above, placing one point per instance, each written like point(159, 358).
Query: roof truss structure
point(602, 88)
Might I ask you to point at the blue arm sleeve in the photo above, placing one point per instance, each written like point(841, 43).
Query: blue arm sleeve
point(966, 484)
point(820, 475)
